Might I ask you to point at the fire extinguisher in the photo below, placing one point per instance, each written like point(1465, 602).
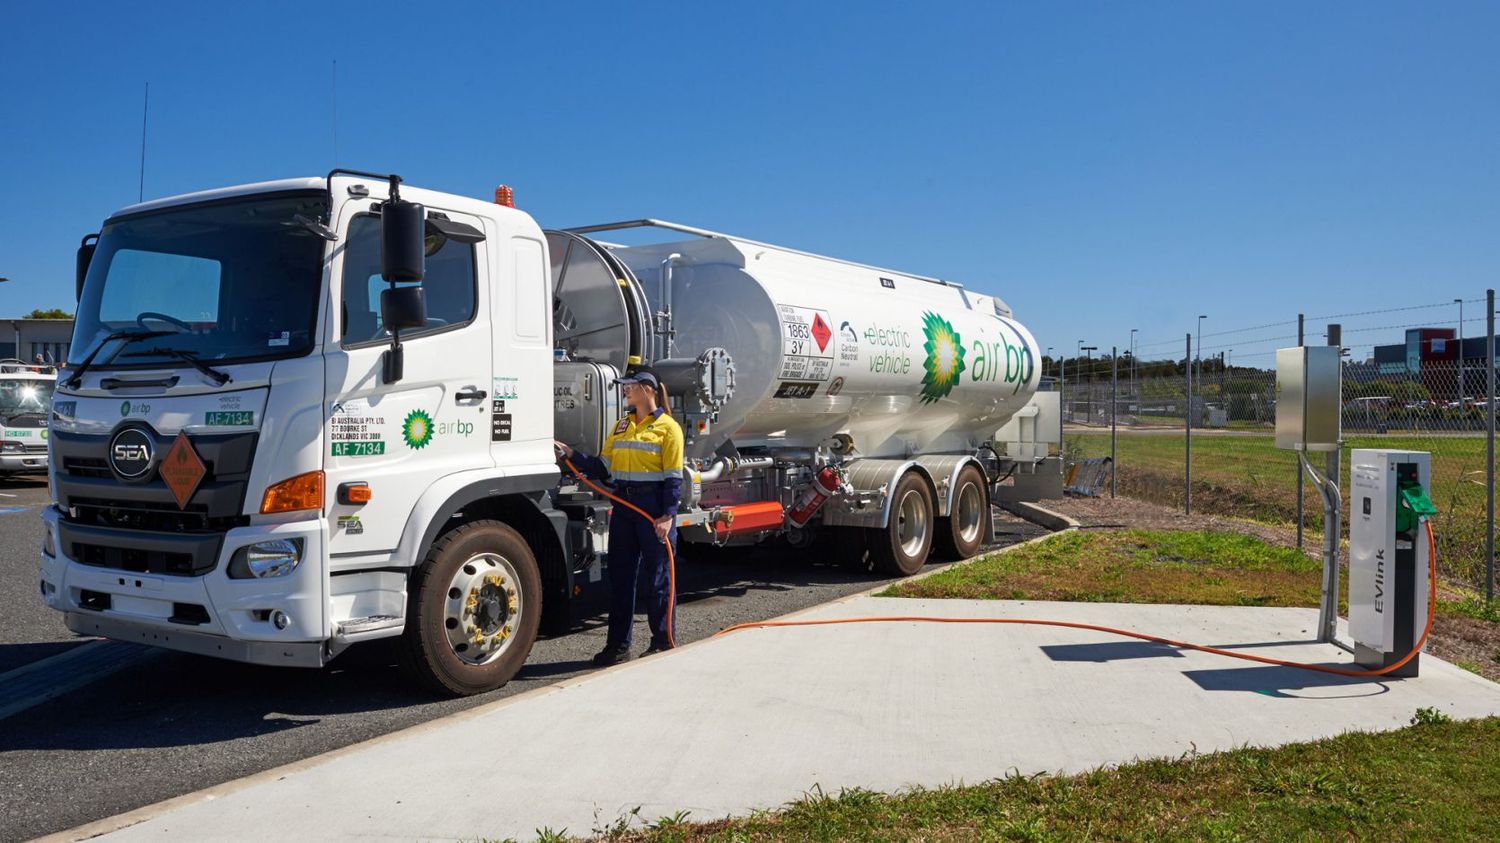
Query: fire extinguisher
point(825, 483)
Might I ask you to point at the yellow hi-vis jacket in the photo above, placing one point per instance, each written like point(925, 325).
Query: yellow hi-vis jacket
point(648, 452)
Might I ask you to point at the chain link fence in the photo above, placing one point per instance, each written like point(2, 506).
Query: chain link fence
point(1237, 471)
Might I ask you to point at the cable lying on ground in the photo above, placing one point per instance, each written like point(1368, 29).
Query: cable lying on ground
point(1338, 671)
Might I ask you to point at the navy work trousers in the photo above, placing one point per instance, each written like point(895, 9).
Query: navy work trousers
point(632, 544)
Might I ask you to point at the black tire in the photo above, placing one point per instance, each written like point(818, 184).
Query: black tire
point(426, 650)
point(960, 535)
point(900, 547)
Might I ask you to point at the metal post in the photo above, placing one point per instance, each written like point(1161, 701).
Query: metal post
point(1187, 418)
point(1062, 407)
point(1114, 395)
point(1462, 387)
point(1333, 524)
point(1301, 518)
point(1489, 478)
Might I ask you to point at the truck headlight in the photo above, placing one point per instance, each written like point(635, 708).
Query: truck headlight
point(267, 559)
point(10, 447)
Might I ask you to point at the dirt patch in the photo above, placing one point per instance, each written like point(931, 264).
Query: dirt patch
point(1129, 513)
point(1473, 642)
point(1454, 638)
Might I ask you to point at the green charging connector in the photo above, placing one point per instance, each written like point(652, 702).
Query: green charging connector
point(1412, 505)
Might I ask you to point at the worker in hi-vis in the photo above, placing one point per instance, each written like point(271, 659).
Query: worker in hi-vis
point(643, 459)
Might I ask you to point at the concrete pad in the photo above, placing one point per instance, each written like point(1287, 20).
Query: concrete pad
point(756, 718)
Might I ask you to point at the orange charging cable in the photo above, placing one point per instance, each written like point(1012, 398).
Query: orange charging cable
point(1431, 610)
point(671, 557)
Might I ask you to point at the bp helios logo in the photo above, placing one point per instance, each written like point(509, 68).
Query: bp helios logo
point(945, 358)
point(417, 429)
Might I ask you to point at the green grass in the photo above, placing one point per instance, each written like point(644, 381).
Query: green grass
point(1248, 477)
point(1134, 566)
point(1436, 780)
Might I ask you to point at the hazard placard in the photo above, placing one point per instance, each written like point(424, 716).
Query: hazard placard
point(182, 470)
point(806, 344)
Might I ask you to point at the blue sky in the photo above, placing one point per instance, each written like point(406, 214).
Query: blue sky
point(1102, 166)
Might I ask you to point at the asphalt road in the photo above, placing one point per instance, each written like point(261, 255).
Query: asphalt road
point(169, 724)
point(28, 629)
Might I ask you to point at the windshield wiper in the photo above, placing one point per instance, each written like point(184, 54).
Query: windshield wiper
point(219, 378)
point(128, 336)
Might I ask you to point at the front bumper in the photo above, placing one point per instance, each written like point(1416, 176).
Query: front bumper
point(286, 654)
point(209, 614)
point(22, 463)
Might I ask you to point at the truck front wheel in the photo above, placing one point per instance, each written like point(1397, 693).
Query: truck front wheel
point(473, 610)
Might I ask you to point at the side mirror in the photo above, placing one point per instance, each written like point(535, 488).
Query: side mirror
point(403, 308)
point(402, 232)
point(400, 308)
point(85, 257)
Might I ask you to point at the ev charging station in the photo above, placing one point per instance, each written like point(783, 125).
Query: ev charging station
point(1388, 556)
point(1388, 559)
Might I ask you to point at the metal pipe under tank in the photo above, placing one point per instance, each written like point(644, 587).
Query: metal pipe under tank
point(724, 466)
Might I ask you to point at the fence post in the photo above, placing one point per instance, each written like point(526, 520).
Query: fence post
point(1187, 419)
point(1300, 516)
point(1114, 391)
point(1489, 466)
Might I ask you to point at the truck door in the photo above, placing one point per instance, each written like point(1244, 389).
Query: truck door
point(401, 437)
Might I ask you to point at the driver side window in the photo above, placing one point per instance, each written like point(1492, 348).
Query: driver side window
point(448, 288)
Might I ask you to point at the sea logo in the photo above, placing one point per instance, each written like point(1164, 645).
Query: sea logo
point(417, 429)
point(945, 358)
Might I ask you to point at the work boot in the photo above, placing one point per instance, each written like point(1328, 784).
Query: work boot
point(613, 654)
point(658, 646)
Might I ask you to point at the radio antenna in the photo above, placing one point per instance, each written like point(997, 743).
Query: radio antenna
point(145, 112)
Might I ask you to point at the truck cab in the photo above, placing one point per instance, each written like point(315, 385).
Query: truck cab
point(248, 462)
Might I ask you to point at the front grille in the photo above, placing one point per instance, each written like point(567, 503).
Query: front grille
point(33, 449)
point(85, 467)
point(97, 512)
point(139, 527)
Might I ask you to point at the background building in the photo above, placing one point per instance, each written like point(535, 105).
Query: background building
point(24, 339)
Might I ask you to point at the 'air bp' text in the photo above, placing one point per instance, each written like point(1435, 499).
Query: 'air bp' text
point(1001, 361)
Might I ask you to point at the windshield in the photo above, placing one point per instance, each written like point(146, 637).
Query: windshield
point(19, 397)
point(233, 281)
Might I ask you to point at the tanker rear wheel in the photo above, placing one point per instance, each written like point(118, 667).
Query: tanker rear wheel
point(900, 547)
point(960, 535)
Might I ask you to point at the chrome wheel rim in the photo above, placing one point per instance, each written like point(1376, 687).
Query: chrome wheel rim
point(970, 513)
point(482, 609)
point(911, 523)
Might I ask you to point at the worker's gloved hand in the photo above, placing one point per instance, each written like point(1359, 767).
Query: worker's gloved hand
point(562, 450)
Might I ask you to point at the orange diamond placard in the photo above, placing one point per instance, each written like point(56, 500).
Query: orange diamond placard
point(821, 332)
point(182, 470)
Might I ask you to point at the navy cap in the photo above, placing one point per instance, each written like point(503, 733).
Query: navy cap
point(641, 376)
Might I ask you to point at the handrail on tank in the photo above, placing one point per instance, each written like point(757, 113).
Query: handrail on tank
point(712, 235)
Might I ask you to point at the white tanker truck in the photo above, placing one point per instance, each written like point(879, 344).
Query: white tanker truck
point(309, 413)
